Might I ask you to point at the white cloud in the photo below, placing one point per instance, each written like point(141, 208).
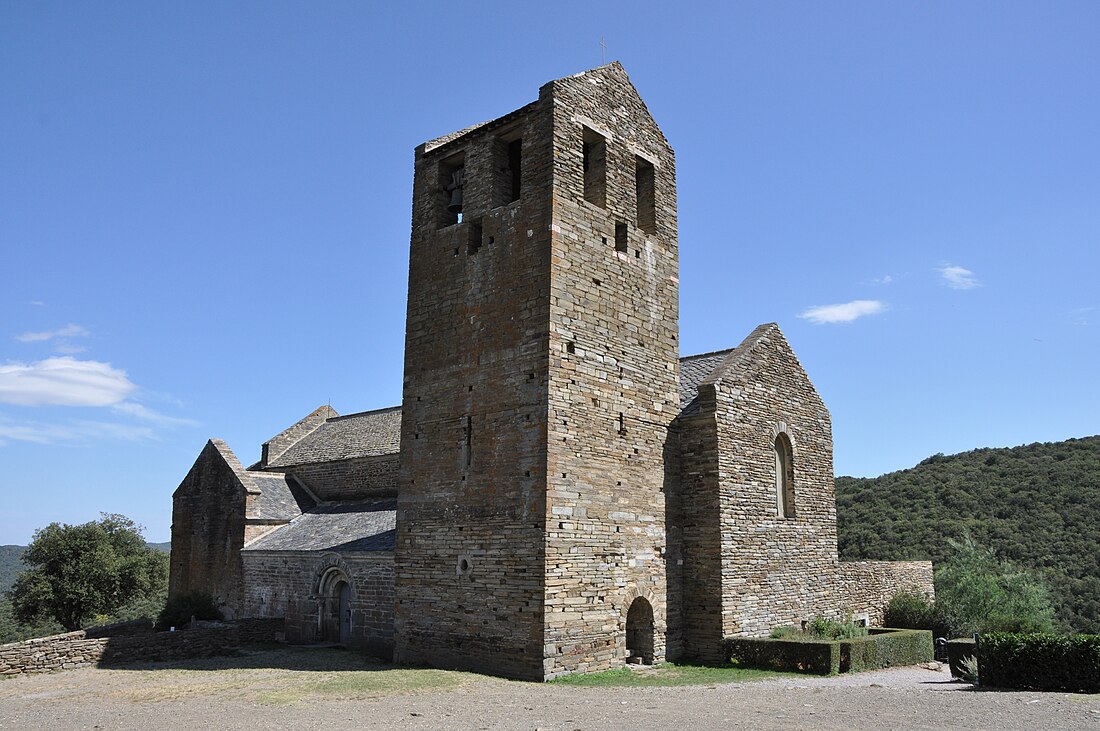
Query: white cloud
point(144, 413)
point(69, 331)
point(1081, 315)
point(879, 281)
point(846, 312)
point(63, 381)
point(957, 277)
point(72, 433)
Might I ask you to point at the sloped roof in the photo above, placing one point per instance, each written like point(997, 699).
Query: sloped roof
point(694, 369)
point(280, 498)
point(366, 434)
point(344, 527)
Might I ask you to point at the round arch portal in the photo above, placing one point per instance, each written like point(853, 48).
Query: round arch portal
point(334, 606)
point(639, 632)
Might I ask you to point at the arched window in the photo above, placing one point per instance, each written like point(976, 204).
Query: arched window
point(784, 476)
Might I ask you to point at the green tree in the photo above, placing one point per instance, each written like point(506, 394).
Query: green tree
point(82, 571)
point(979, 593)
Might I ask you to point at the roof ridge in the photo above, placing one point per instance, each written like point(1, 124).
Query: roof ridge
point(741, 351)
point(234, 464)
point(383, 410)
point(705, 355)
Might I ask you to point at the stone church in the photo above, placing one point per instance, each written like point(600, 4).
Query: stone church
point(559, 490)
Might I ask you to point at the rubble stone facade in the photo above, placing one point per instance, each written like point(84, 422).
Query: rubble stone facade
point(566, 493)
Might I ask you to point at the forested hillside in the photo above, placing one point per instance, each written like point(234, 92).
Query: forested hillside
point(10, 565)
point(1037, 506)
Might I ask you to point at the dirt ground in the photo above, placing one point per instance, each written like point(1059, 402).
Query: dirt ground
point(313, 691)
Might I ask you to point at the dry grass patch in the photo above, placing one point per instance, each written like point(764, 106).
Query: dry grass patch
point(667, 674)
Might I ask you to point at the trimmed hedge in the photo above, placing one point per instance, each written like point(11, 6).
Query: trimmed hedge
point(882, 648)
point(886, 648)
point(1040, 661)
point(808, 656)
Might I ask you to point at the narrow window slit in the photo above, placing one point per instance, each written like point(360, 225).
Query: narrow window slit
point(452, 181)
point(474, 236)
point(621, 237)
point(469, 435)
point(595, 167)
point(644, 187)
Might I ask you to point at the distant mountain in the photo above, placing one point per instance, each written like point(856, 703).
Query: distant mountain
point(1037, 506)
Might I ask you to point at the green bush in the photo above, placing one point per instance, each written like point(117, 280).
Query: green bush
point(828, 629)
point(968, 670)
point(179, 610)
point(913, 610)
point(909, 609)
point(1040, 661)
point(787, 632)
point(980, 593)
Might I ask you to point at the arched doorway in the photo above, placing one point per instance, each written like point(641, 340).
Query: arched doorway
point(639, 632)
point(335, 607)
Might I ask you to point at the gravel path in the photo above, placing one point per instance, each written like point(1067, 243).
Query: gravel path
point(904, 698)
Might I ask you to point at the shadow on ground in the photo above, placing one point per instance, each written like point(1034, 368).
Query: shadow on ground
point(320, 658)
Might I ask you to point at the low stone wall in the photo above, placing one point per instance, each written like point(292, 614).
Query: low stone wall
point(43, 654)
point(866, 586)
point(131, 645)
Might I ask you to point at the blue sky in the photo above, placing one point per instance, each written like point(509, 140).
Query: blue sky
point(204, 214)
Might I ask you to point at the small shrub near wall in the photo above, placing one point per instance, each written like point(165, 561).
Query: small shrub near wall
point(1040, 661)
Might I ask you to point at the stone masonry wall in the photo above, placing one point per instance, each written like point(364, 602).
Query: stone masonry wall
point(471, 506)
point(80, 649)
point(697, 497)
point(775, 570)
point(674, 548)
point(208, 518)
point(864, 587)
point(287, 584)
point(351, 479)
point(613, 377)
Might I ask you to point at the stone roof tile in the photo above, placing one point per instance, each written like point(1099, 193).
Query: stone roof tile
point(280, 498)
point(367, 434)
point(343, 527)
point(694, 369)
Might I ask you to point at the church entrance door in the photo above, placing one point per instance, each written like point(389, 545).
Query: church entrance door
point(345, 613)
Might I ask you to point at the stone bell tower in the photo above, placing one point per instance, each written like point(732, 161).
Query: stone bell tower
point(541, 374)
